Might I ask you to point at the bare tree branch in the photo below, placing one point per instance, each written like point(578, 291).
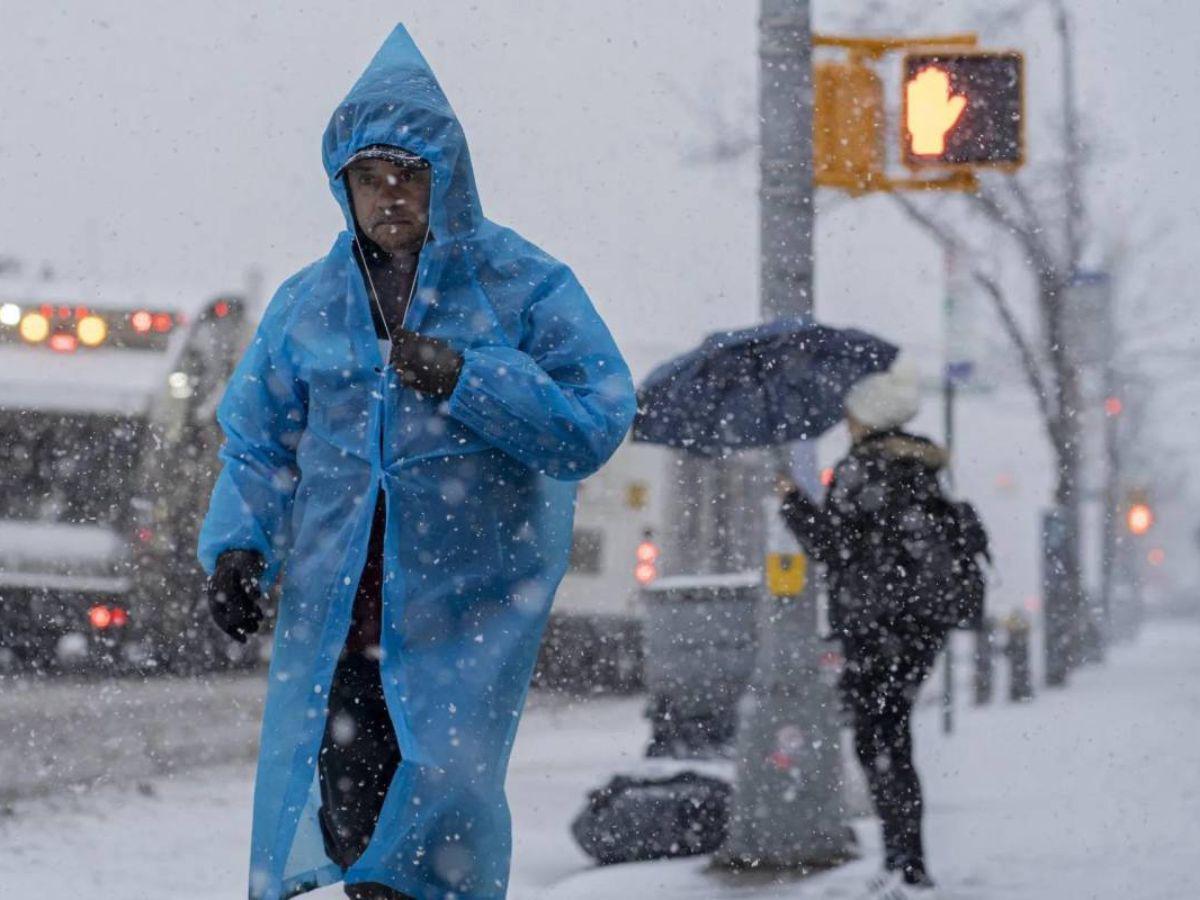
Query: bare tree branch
point(732, 136)
point(1004, 18)
point(1033, 221)
point(1033, 242)
point(1008, 320)
point(1029, 363)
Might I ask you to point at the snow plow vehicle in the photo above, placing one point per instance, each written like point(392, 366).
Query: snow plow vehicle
point(108, 449)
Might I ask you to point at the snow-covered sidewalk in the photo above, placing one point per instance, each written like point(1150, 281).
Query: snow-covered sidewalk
point(1092, 792)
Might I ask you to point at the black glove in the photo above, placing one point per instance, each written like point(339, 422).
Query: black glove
point(426, 364)
point(234, 595)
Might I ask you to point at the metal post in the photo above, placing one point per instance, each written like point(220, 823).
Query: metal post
point(1112, 462)
point(985, 665)
point(788, 809)
point(950, 363)
point(948, 653)
point(1016, 648)
point(1071, 150)
point(1059, 602)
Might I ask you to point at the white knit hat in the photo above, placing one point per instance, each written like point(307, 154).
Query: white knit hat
point(886, 399)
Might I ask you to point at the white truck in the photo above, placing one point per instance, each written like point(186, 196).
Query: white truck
point(107, 445)
point(108, 452)
point(594, 640)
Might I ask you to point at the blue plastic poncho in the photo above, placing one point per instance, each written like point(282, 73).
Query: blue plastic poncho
point(479, 496)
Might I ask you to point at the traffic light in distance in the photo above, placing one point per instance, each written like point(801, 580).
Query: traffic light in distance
point(1139, 518)
point(963, 109)
point(645, 569)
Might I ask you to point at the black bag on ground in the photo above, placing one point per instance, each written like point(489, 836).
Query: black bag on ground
point(634, 819)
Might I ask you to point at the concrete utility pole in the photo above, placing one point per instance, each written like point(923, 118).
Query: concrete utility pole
point(788, 809)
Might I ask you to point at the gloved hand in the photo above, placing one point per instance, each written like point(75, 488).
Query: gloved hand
point(234, 595)
point(426, 364)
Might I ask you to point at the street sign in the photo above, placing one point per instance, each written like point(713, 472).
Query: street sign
point(960, 371)
point(787, 573)
point(963, 109)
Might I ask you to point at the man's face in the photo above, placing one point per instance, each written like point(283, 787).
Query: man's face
point(391, 203)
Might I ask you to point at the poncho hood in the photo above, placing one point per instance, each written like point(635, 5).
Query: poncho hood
point(398, 102)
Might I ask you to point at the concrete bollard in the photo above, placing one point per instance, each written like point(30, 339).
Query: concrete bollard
point(1016, 648)
point(985, 665)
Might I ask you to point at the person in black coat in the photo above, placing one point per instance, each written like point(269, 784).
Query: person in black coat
point(885, 558)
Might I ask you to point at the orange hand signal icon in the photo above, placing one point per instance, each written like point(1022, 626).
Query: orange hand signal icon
point(931, 110)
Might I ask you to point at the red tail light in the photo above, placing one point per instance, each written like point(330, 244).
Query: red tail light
point(119, 616)
point(63, 343)
point(100, 617)
point(646, 569)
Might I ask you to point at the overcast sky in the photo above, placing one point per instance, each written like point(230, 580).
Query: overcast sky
point(166, 142)
point(181, 142)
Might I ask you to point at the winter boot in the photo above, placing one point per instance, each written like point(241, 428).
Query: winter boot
point(890, 885)
point(887, 885)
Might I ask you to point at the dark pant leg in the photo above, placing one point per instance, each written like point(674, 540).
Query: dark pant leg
point(883, 678)
point(358, 759)
point(896, 788)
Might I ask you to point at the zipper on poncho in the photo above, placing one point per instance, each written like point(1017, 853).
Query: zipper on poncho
point(385, 386)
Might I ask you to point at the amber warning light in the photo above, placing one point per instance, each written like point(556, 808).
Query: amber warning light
point(1139, 519)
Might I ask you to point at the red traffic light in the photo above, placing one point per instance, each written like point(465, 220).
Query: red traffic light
point(646, 569)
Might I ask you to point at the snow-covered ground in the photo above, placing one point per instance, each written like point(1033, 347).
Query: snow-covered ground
point(1093, 792)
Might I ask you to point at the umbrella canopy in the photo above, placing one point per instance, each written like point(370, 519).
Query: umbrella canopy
point(782, 381)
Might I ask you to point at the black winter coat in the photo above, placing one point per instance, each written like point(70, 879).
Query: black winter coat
point(880, 536)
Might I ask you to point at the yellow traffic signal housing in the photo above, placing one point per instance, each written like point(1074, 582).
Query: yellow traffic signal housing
point(848, 115)
point(787, 573)
point(848, 145)
point(963, 109)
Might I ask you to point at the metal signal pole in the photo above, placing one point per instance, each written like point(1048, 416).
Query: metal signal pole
point(788, 810)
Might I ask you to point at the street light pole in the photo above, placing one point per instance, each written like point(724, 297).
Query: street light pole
point(1072, 155)
point(788, 810)
point(785, 159)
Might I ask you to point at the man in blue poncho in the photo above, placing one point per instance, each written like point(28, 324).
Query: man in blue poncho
point(403, 435)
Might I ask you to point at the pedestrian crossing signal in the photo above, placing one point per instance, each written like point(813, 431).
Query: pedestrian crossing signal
point(963, 109)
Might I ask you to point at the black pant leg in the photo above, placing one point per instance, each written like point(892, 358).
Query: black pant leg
point(358, 758)
point(899, 802)
point(880, 687)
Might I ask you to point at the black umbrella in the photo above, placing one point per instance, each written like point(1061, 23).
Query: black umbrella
point(782, 381)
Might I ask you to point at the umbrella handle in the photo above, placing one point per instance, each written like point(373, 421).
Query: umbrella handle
point(781, 462)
